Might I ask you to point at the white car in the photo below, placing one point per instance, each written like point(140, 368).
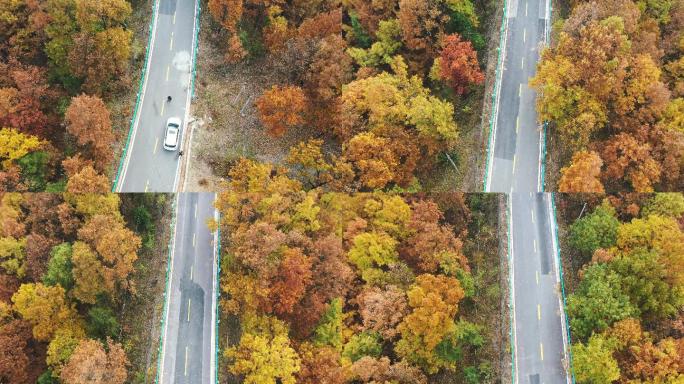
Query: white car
point(173, 133)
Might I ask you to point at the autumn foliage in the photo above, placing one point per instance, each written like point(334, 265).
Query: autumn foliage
point(582, 175)
point(281, 108)
point(88, 119)
point(91, 363)
point(610, 87)
point(458, 64)
point(358, 76)
point(16, 351)
point(66, 265)
point(51, 51)
point(625, 313)
point(322, 282)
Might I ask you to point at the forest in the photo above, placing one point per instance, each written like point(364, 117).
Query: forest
point(625, 255)
point(75, 287)
point(65, 79)
point(386, 88)
point(372, 287)
point(612, 89)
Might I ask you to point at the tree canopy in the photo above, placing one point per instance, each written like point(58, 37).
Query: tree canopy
point(351, 277)
point(52, 52)
point(66, 271)
point(625, 311)
point(608, 90)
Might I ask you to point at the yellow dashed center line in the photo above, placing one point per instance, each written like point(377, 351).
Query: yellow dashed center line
point(156, 145)
point(538, 311)
point(193, 239)
point(162, 109)
point(517, 124)
point(531, 211)
point(522, 65)
point(541, 351)
point(168, 69)
point(525, 8)
point(174, 18)
point(189, 300)
point(186, 361)
point(524, 34)
point(147, 185)
point(171, 45)
point(535, 245)
point(514, 159)
point(537, 276)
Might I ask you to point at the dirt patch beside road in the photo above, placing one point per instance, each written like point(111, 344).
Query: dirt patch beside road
point(227, 123)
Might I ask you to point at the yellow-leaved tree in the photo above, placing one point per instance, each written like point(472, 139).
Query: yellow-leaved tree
point(44, 307)
point(264, 355)
point(14, 145)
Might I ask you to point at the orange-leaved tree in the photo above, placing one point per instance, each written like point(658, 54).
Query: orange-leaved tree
point(281, 108)
point(458, 64)
point(92, 363)
point(583, 174)
point(89, 121)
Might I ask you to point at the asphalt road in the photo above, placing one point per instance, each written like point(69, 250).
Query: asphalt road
point(515, 150)
point(515, 167)
point(539, 325)
point(188, 343)
point(148, 167)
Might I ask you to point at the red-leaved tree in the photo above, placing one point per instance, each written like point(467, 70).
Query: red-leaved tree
point(458, 64)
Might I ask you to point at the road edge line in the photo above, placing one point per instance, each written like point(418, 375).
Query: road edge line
point(562, 299)
point(217, 287)
point(135, 120)
point(496, 96)
point(169, 271)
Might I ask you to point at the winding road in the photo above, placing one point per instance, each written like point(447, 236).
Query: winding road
point(146, 166)
point(515, 166)
point(188, 347)
point(188, 344)
point(516, 142)
point(539, 328)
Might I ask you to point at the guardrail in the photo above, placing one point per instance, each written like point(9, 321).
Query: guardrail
point(554, 227)
point(495, 93)
point(545, 126)
point(495, 103)
point(198, 20)
point(218, 293)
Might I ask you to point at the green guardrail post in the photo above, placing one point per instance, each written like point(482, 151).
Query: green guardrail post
point(554, 225)
point(545, 126)
point(218, 292)
point(198, 20)
point(543, 157)
point(497, 73)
